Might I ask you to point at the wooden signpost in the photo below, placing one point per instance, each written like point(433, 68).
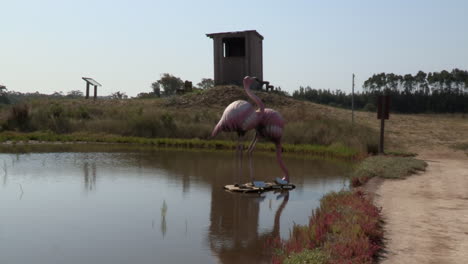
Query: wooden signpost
point(91, 81)
point(383, 112)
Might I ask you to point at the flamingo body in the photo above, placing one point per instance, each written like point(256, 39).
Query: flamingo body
point(240, 116)
point(271, 126)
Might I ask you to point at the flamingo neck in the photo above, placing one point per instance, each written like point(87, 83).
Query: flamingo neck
point(281, 163)
point(255, 98)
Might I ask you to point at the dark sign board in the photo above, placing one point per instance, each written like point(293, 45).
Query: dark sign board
point(383, 107)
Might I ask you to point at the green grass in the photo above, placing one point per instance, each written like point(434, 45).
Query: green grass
point(461, 146)
point(400, 153)
point(388, 167)
point(308, 256)
point(333, 151)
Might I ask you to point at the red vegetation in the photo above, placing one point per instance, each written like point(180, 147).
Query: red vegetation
point(346, 227)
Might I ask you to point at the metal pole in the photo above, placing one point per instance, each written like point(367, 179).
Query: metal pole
point(352, 103)
point(87, 90)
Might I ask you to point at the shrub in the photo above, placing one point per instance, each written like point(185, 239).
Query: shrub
point(56, 110)
point(344, 229)
point(369, 107)
point(83, 113)
point(19, 118)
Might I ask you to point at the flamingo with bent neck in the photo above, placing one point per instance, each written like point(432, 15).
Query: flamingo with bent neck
point(271, 127)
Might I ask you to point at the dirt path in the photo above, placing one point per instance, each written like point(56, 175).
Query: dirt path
point(427, 214)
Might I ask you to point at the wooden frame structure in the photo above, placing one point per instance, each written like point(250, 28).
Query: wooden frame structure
point(91, 81)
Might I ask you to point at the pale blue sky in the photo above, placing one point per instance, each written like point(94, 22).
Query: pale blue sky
point(48, 45)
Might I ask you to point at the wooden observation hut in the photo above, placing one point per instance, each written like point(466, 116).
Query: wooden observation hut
point(236, 55)
point(91, 81)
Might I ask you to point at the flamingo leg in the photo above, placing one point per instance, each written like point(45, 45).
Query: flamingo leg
point(239, 150)
point(249, 151)
point(281, 163)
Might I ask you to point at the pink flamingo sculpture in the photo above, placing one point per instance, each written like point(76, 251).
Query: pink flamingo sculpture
point(240, 116)
point(271, 127)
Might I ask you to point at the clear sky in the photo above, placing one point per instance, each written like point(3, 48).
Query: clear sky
point(48, 45)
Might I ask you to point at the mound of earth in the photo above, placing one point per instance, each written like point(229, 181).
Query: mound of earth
point(224, 95)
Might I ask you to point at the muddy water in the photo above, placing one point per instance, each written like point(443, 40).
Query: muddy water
point(108, 204)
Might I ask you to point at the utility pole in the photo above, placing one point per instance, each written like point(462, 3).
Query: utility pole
point(352, 103)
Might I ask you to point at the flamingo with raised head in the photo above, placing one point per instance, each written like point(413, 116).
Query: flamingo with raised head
point(241, 116)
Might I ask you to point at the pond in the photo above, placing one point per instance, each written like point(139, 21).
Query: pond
point(117, 204)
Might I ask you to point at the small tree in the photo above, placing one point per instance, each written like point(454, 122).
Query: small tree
point(169, 83)
point(156, 89)
point(75, 94)
point(57, 94)
point(146, 95)
point(119, 95)
point(3, 95)
point(206, 83)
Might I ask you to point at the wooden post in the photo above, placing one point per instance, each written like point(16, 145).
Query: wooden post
point(95, 92)
point(383, 112)
point(382, 129)
point(87, 90)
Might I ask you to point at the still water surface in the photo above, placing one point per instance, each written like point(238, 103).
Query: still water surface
point(107, 204)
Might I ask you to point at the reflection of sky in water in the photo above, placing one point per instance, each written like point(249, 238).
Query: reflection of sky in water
point(147, 207)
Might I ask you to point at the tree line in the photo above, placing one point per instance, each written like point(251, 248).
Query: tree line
point(438, 92)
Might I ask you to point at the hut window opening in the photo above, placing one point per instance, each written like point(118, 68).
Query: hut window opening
point(234, 47)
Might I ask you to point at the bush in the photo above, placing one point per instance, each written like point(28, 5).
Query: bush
point(83, 113)
point(19, 118)
point(344, 229)
point(369, 107)
point(56, 110)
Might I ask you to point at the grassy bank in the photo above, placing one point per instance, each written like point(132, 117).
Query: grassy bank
point(387, 167)
point(344, 229)
point(183, 117)
point(331, 151)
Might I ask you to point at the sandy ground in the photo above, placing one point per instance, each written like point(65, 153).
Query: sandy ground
point(426, 215)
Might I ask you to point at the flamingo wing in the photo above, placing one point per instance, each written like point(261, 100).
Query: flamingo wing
point(271, 125)
point(234, 117)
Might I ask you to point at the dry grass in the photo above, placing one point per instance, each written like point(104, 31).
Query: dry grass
point(415, 132)
point(189, 116)
point(193, 116)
